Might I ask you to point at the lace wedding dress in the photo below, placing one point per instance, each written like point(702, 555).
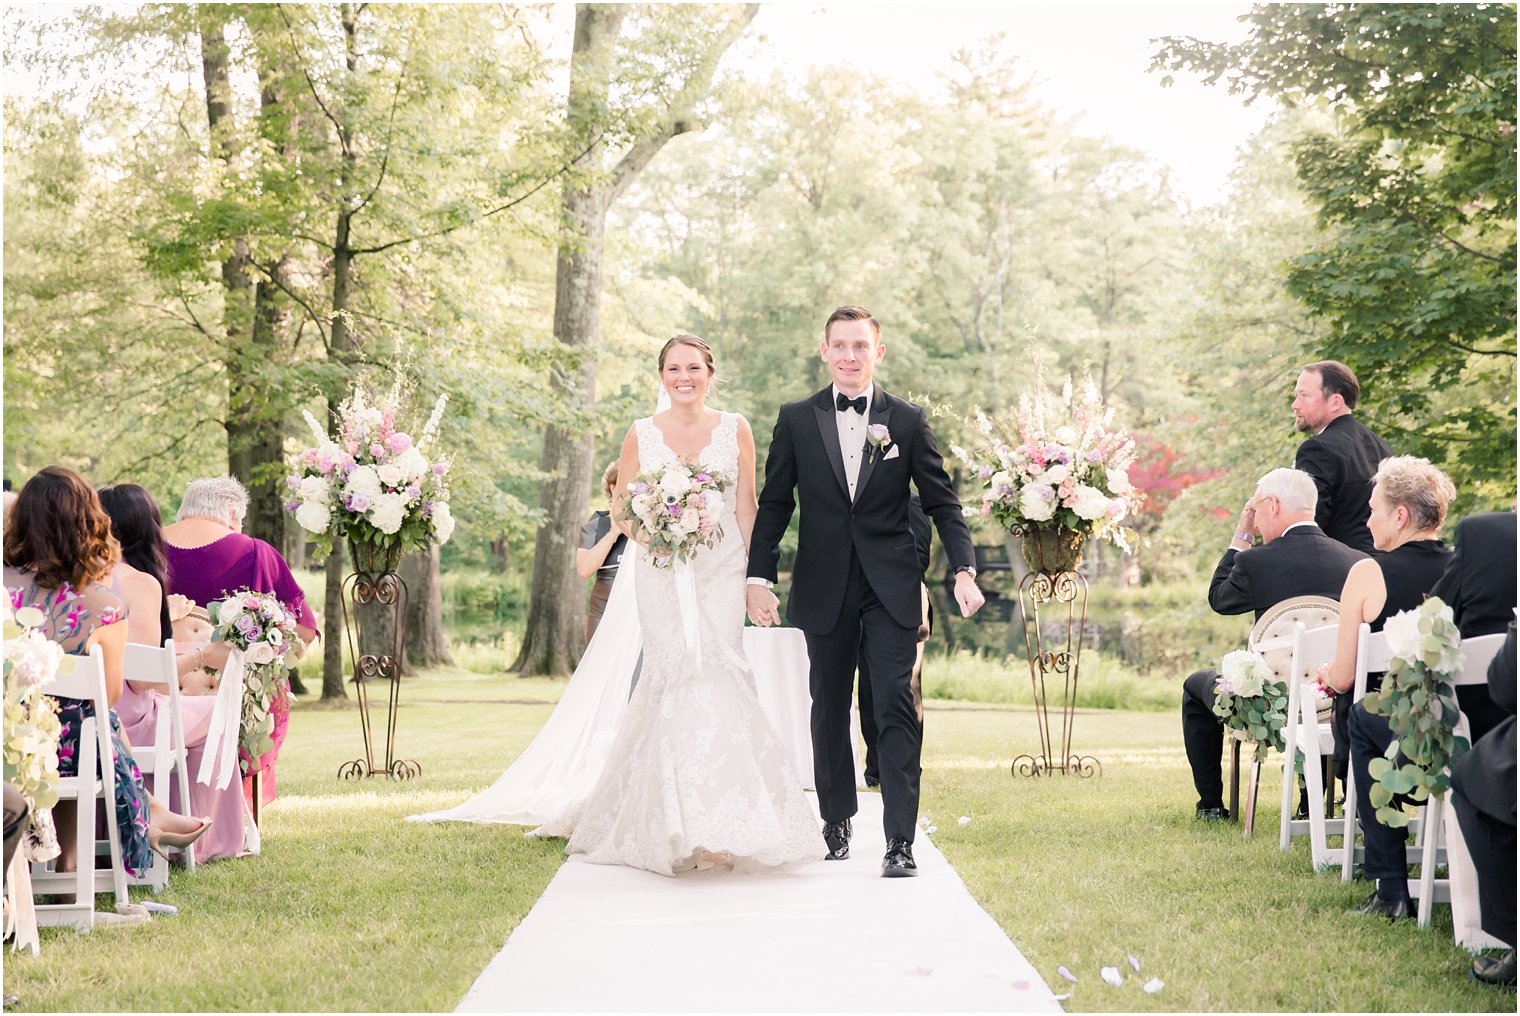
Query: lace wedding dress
point(695, 776)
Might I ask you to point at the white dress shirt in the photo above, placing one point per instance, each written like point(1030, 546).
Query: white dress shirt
point(852, 434)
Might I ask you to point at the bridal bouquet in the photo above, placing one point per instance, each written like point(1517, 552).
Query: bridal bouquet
point(679, 507)
point(32, 729)
point(372, 485)
point(1420, 701)
point(1060, 463)
point(259, 625)
point(1248, 700)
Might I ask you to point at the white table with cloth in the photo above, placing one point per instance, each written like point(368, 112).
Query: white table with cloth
point(779, 658)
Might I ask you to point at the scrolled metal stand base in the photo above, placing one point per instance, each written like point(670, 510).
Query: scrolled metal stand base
point(381, 589)
point(1054, 587)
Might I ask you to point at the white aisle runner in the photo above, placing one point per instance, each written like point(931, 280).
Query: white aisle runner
point(832, 936)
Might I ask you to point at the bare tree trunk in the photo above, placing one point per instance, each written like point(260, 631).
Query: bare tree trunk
point(426, 645)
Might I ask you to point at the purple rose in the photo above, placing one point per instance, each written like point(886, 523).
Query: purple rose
point(246, 625)
point(359, 503)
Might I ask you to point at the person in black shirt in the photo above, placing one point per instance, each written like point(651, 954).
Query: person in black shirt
point(1341, 453)
point(600, 552)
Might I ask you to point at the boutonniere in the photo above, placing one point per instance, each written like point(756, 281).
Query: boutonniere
point(879, 439)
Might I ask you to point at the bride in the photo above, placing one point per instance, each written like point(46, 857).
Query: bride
point(694, 776)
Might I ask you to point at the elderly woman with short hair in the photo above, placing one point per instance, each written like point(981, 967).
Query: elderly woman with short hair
point(1409, 501)
point(209, 556)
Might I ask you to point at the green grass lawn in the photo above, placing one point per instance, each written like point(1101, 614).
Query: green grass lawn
point(350, 907)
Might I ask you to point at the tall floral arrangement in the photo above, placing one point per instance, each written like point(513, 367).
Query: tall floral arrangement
point(32, 729)
point(1420, 701)
point(372, 484)
point(1060, 463)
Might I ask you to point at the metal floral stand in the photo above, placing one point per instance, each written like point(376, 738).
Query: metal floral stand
point(1053, 591)
point(374, 582)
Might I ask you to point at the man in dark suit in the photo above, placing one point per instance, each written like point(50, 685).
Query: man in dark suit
point(1483, 794)
point(1295, 559)
point(1479, 586)
point(923, 533)
point(1342, 455)
point(846, 455)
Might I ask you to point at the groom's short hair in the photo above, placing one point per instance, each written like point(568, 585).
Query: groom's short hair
point(848, 313)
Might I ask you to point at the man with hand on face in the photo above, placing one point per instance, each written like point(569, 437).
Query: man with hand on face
point(1295, 558)
point(846, 456)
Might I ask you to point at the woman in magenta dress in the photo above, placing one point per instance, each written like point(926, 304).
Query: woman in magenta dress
point(209, 557)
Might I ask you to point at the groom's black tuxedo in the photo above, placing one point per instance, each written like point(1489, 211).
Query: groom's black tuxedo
point(855, 583)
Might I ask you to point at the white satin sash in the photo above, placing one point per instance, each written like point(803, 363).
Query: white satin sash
point(219, 759)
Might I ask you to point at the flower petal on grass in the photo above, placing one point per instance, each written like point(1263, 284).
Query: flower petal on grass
point(1066, 974)
point(964, 820)
point(1154, 985)
point(1111, 976)
point(1134, 962)
point(1063, 997)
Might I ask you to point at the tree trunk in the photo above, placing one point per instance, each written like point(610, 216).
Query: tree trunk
point(426, 645)
point(333, 637)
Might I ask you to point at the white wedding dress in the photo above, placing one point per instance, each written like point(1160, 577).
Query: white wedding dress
point(695, 776)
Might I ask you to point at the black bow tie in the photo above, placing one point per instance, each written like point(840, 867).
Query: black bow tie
point(858, 403)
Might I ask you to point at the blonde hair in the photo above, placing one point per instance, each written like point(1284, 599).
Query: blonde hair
point(609, 478)
point(1416, 486)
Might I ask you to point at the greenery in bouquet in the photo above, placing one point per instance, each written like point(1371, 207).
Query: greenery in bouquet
point(32, 728)
point(372, 484)
point(1250, 701)
point(1060, 463)
point(679, 508)
point(265, 631)
point(1420, 701)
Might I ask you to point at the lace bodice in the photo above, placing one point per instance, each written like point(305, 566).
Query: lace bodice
point(721, 454)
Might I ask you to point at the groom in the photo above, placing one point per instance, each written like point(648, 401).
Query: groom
point(847, 455)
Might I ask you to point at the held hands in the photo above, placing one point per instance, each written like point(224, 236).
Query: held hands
point(967, 596)
point(762, 606)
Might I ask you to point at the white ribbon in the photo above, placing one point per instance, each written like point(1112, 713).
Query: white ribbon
point(219, 757)
point(691, 626)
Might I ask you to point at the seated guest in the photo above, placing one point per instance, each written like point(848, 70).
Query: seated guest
point(209, 556)
point(601, 549)
point(143, 571)
point(1409, 501)
point(1295, 559)
point(1483, 795)
point(59, 558)
point(1479, 586)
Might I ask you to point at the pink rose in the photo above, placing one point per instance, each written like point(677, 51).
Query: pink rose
point(353, 448)
point(377, 450)
point(400, 442)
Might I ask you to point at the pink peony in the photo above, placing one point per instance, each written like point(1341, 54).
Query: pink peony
point(400, 442)
point(377, 450)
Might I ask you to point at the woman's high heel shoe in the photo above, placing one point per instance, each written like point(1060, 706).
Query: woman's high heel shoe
point(160, 840)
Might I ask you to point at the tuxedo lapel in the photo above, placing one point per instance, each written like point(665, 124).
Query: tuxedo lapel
point(879, 414)
point(823, 412)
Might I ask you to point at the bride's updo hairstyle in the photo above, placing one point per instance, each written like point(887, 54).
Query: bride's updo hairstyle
point(695, 342)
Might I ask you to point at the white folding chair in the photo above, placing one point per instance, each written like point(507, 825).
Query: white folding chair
point(1314, 740)
point(164, 760)
point(95, 779)
point(1272, 639)
point(1372, 655)
point(1466, 915)
point(1477, 654)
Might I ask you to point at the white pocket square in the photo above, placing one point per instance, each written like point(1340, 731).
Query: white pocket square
point(891, 453)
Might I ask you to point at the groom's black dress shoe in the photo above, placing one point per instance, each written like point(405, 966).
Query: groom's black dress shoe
point(1394, 910)
point(899, 860)
point(836, 836)
point(1494, 969)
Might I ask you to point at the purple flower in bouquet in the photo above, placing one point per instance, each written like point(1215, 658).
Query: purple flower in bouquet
point(358, 503)
point(413, 492)
point(440, 468)
point(293, 482)
point(246, 625)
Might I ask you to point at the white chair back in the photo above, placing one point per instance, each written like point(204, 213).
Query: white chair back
point(163, 763)
point(1477, 653)
point(1314, 739)
point(95, 778)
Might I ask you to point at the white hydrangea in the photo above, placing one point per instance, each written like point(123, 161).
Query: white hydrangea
point(1089, 502)
point(1403, 632)
point(33, 659)
point(314, 516)
point(1037, 502)
point(388, 513)
point(1243, 673)
point(443, 521)
point(412, 463)
point(363, 480)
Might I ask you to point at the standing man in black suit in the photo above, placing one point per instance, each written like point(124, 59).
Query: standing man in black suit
point(845, 456)
point(1483, 795)
point(923, 533)
point(1342, 455)
point(1479, 586)
point(1295, 558)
